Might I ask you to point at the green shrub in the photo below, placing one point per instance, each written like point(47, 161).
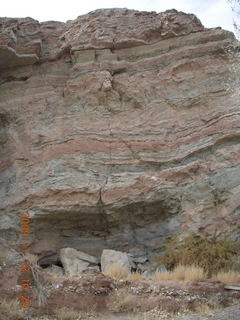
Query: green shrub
point(211, 254)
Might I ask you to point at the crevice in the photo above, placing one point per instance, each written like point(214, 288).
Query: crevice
point(118, 71)
point(101, 205)
point(133, 229)
point(11, 78)
point(103, 212)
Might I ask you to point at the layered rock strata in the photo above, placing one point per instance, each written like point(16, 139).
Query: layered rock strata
point(118, 129)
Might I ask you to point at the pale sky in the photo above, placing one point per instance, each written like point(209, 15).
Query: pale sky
point(212, 13)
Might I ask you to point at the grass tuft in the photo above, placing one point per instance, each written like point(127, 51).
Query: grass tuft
point(228, 277)
point(204, 310)
point(117, 271)
point(190, 273)
point(135, 276)
point(65, 313)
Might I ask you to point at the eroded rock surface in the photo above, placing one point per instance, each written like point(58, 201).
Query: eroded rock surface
point(118, 129)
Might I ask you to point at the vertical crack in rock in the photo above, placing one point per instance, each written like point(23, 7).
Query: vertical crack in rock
point(103, 212)
point(101, 205)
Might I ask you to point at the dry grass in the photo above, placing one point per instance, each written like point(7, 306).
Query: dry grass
point(135, 276)
point(186, 273)
point(32, 258)
point(71, 314)
point(166, 275)
point(179, 272)
point(194, 273)
point(121, 301)
point(117, 271)
point(228, 277)
point(212, 254)
point(66, 314)
point(39, 285)
point(204, 310)
point(11, 310)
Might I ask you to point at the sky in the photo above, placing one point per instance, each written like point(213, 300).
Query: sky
point(212, 13)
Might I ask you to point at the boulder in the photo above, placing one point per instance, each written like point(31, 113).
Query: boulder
point(75, 262)
point(113, 257)
point(140, 260)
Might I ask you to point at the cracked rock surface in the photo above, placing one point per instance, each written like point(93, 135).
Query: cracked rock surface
point(118, 129)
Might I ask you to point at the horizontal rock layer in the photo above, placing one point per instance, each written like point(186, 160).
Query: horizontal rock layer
point(118, 129)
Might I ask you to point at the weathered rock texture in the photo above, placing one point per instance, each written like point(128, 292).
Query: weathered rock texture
point(118, 129)
point(75, 262)
point(112, 258)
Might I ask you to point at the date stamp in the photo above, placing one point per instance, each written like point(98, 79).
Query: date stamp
point(25, 233)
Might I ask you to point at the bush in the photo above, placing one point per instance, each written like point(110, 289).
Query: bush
point(212, 254)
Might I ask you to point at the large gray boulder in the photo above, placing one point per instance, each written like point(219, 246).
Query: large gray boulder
point(74, 262)
point(113, 257)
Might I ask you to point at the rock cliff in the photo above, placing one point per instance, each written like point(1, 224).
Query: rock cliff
point(118, 129)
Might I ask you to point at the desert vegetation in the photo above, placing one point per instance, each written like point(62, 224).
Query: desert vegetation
point(117, 271)
point(65, 313)
point(213, 258)
point(210, 254)
point(228, 277)
point(186, 273)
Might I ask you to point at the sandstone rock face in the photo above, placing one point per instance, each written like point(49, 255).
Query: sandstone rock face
point(74, 262)
point(118, 129)
point(111, 258)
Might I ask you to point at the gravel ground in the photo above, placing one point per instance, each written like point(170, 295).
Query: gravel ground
point(230, 313)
